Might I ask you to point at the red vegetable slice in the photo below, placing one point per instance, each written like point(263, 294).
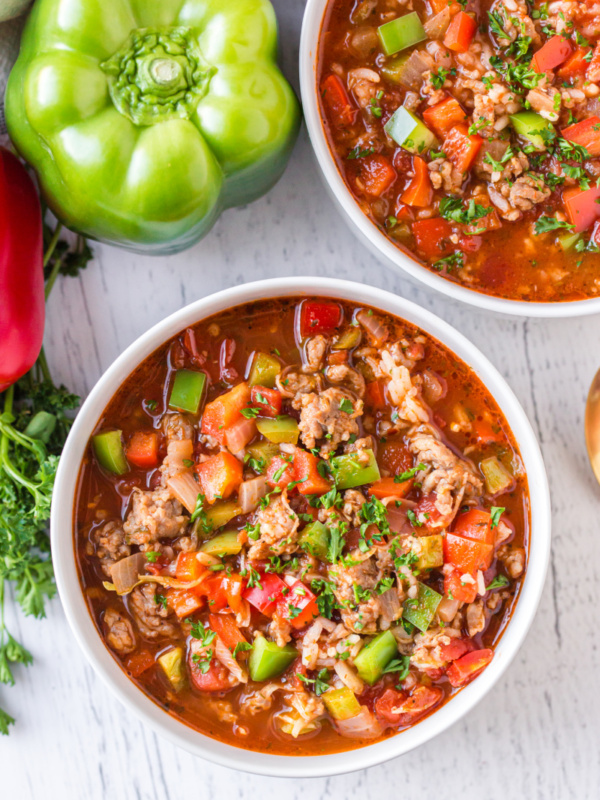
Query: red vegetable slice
point(460, 32)
point(298, 605)
point(264, 597)
point(443, 116)
point(337, 102)
point(585, 133)
point(398, 709)
point(142, 450)
point(419, 192)
point(461, 148)
point(319, 318)
point(582, 207)
point(475, 524)
point(376, 174)
point(552, 54)
point(433, 237)
point(267, 401)
point(468, 667)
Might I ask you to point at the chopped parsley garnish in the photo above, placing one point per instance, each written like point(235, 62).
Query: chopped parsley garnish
point(400, 665)
point(241, 647)
point(496, 512)
point(452, 208)
point(346, 406)
point(151, 556)
point(336, 543)
point(320, 683)
point(456, 259)
point(326, 602)
point(410, 473)
point(499, 582)
point(358, 152)
point(250, 413)
point(438, 78)
point(544, 224)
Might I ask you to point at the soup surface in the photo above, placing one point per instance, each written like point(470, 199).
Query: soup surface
point(469, 132)
point(301, 526)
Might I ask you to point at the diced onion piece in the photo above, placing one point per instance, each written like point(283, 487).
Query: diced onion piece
point(185, 489)
point(447, 609)
point(374, 326)
point(178, 452)
point(240, 433)
point(362, 726)
point(250, 493)
point(229, 662)
point(398, 520)
point(436, 27)
point(349, 677)
point(126, 572)
point(390, 607)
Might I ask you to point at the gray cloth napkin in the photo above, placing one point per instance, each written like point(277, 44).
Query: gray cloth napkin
point(10, 36)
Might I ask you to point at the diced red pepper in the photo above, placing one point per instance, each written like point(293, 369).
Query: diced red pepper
point(265, 596)
point(298, 605)
point(374, 394)
point(184, 602)
point(319, 318)
point(225, 627)
point(582, 207)
point(419, 191)
point(220, 475)
point(402, 212)
point(461, 148)
point(454, 649)
point(337, 102)
point(376, 174)
point(398, 709)
point(142, 450)
point(280, 472)
point(387, 487)
point(433, 237)
point(222, 412)
point(137, 663)
point(486, 432)
point(460, 32)
point(468, 667)
point(576, 64)
point(491, 221)
point(267, 401)
point(467, 555)
point(306, 472)
point(475, 524)
point(585, 133)
point(456, 589)
point(443, 116)
point(554, 52)
point(187, 567)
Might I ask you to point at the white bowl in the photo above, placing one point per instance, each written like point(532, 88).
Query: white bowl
point(104, 663)
point(366, 231)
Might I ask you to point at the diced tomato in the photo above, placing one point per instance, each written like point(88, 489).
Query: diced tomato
point(433, 237)
point(593, 70)
point(582, 207)
point(298, 605)
point(552, 54)
point(220, 475)
point(138, 663)
point(395, 457)
point(337, 102)
point(398, 709)
point(222, 412)
point(427, 511)
point(486, 432)
point(576, 64)
point(280, 472)
point(268, 401)
point(265, 596)
point(306, 472)
point(443, 116)
point(142, 450)
point(468, 667)
point(386, 487)
point(419, 191)
point(319, 318)
point(461, 148)
point(467, 555)
point(376, 174)
point(225, 627)
point(187, 567)
point(183, 602)
point(454, 649)
point(585, 133)
point(460, 32)
point(456, 589)
point(475, 524)
point(215, 679)
point(375, 394)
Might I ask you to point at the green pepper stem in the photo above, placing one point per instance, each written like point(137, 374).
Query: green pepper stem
point(53, 243)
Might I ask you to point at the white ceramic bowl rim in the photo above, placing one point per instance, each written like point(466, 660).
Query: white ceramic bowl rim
point(115, 678)
point(362, 226)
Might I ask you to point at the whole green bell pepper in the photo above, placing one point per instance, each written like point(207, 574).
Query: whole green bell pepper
point(144, 120)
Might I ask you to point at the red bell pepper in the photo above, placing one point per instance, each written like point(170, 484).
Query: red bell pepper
point(456, 589)
point(433, 237)
point(139, 662)
point(142, 450)
point(475, 524)
point(460, 32)
point(552, 54)
point(467, 555)
point(224, 411)
point(468, 667)
point(265, 595)
point(306, 473)
point(336, 101)
point(585, 133)
point(225, 627)
point(443, 116)
point(419, 191)
point(575, 65)
point(220, 476)
point(461, 148)
point(21, 271)
point(298, 605)
point(267, 401)
point(376, 174)
point(319, 318)
point(582, 207)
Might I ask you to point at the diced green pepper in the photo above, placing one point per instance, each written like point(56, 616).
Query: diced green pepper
point(568, 241)
point(267, 660)
point(394, 68)
point(221, 513)
point(348, 471)
point(173, 665)
point(497, 478)
point(401, 33)
point(280, 430)
point(529, 124)
point(431, 553)
point(109, 451)
point(407, 130)
point(420, 611)
point(374, 658)
point(224, 544)
point(348, 339)
point(341, 703)
point(187, 390)
point(265, 368)
point(315, 540)
point(263, 451)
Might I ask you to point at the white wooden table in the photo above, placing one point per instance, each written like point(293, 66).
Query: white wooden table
point(536, 736)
